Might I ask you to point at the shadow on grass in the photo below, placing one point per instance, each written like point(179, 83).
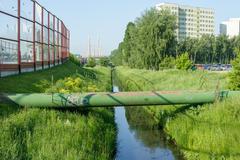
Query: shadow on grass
point(146, 80)
point(7, 106)
point(88, 73)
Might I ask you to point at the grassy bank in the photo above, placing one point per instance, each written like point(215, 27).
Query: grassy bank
point(201, 132)
point(56, 134)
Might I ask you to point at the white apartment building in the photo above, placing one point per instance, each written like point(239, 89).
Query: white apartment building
point(191, 21)
point(231, 27)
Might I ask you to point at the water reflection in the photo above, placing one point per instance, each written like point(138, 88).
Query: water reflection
point(145, 128)
point(139, 136)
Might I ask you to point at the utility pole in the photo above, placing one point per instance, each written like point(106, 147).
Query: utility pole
point(94, 50)
point(99, 54)
point(89, 47)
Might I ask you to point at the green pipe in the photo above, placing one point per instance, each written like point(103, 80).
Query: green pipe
point(120, 99)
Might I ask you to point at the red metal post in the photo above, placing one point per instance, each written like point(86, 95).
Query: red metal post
point(53, 40)
point(19, 36)
point(34, 30)
point(62, 41)
point(48, 39)
point(68, 43)
point(58, 40)
point(42, 41)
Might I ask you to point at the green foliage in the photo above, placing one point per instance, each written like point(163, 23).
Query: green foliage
point(148, 40)
point(167, 63)
point(57, 134)
point(37, 82)
point(74, 59)
point(234, 76)
point(91, 62)
point(104, 61)
point(151, 38)
point(209, 131)
point(145, 80)
point(204, 132)
point(183, 62)
point(116, 57)
point(73, 84)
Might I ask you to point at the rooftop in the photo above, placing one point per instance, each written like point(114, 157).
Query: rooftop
point(180, 5)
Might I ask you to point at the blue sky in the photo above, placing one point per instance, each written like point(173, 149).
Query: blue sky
point(107, 19)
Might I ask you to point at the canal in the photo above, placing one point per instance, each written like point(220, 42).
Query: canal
point(138, 139)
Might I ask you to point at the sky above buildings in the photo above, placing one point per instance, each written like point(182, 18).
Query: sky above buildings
point(106, 19)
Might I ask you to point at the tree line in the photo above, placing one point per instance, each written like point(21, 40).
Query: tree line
point(151, 38)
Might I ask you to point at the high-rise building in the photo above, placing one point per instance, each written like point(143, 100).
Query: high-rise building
point(231, 27)
point(191, 21)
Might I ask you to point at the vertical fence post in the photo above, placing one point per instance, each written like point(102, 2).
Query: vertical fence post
point(34, 30)
point(53, 40)
point(68, 43)
point(19, 36)
point(61, 41)
point(48, 40)
point(42, 41)
point(58, 40)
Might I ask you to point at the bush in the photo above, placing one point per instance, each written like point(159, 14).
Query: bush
point(91, 62)
point(234, 76)
point(104, 61)
point(74, 59)
point(167, 63)
point(183, 62)
point(72, 84)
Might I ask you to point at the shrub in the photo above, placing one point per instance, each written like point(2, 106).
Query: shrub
point(91, 62)
point(234, 76)
point(74, 59)
point(183, 62)
point(167, 63)
point(72, 84)
point(104, 61)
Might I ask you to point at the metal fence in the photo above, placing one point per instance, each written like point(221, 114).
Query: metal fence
point(31, 37)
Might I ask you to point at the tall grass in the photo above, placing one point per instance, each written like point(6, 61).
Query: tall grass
point(171, 79)
point(47, 134)
point(201, 132)
point(56, 134)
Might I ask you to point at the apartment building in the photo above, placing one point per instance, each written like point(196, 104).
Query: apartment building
point(231, 27)
point(191, 21)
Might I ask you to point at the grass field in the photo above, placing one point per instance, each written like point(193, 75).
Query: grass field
point(56, 134)
point(201, 132)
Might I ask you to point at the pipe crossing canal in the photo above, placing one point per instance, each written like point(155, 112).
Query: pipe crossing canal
point(119, 99)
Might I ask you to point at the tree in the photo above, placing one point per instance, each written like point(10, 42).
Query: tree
point(129, 42)
point(156, 37)
point(206, 50)
point(234, 76)
point(91, 62)
point(222, 48)
point(104, 61)
point(183, 62)
point(167, 63)
point(148, 40)
point(190, 45)
point(116, 56)
point(74, 59)
point(151, 38)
